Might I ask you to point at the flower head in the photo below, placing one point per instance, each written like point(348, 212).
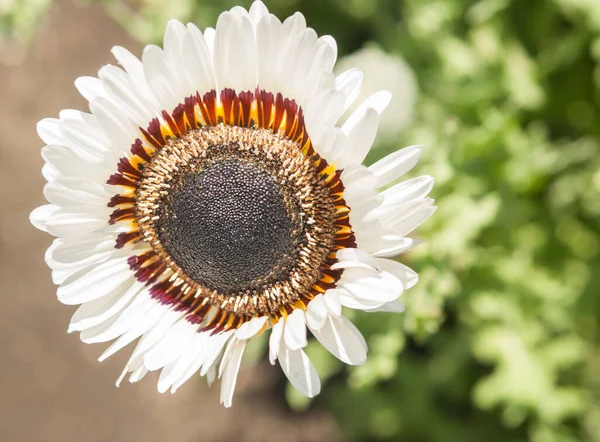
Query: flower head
point(211, 196)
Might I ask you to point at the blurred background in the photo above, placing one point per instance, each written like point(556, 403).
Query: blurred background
point(500, 340)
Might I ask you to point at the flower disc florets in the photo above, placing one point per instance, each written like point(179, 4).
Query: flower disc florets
point(240, 216)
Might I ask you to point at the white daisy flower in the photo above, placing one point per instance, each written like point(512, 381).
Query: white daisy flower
point(211, 196)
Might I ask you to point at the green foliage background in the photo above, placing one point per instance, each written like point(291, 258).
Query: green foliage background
point(500, 339)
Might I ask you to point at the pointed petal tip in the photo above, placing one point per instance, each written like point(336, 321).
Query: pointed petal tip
point(121, 377)
point(384, 97)
point(162, 387)
point(174, 22)
point(259, 8)
point(39, 216)
point(116, 49)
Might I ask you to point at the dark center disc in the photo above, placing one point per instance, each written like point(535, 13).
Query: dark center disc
point(228, 226)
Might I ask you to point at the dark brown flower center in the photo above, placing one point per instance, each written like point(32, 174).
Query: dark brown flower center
point(228, 226)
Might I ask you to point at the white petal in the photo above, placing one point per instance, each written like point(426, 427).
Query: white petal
point(116, 124)
point(200, 351)
point(90, 87)
point(214, 351)
point(268, 45)
point(49, 172)
point(227, 354)
point(396, 246)
point(92, 283)
point(257, 11)
point(363, 205)
point(211, 375)
point(330, 143)
point(86, 138)
point(294, 333)
point(235, 53)
point(300, 371)
point(80, 251)
point(138, 374)
point(294, 25)
point(209, 38)
point(350, 301)
point(343, 340)
point(70, 222)
point(238, 11)
point(332, 301)
point(389, 307)
point(133, 365)
point(302, 48)
point(359, 192)
point(153, 336)
point(99, 310)
point(137, 371)
point(231, 371)
point(143, 323)
point(158, 76)
point(175, 36)
point(179, 368)
point(67, 192)
point(66, 163)
point(251, 328)
point(349, 82)
point(325, 53)
point(59, 276)
point(361, 127)
point(359, 176)
point(131, 64)
point(416, 188)
point(199, 60)
point(324, 109)
point(134, 320)
point(395, 165)
point(275, 340)
point(121, 377)
point(372, 286)
point(403, 223)
point(361, 136)
point(122, 90)
point(331, 44)
point(316, 313)
point(351, 258)
point(39, 216)
point(377, 101)
point(69, 265)
point(405, 274)
point(176, 341)
point(134, 67)
point(49, 131)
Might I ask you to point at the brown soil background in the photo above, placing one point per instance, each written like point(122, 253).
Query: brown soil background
point(51, 387)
